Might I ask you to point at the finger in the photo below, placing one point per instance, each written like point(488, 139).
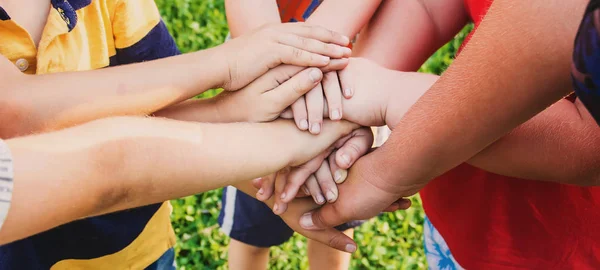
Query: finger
point(257, 182)
point(287, 114)
point(401, 204)
point(298, 57)
point(346, 84)
point(336, 64)
point(315, 190)
point(267, 188)
point(325, 180)
point(275, 77)
point(315, 32)
point(333, 94)
point(314, 46)
point(305, 191)
point(330, 236)
point(291, 90)
point(300, 114)
point(354, 148)
point(324, 217)
point(279, 207)
point(298, 176)
point(314, 106)
point(339, 174)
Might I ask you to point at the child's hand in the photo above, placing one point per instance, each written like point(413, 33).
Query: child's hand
point(319, 176)
point(308, 110)
point(370, 86)
point(265, 98)
point(300, 44)
point(380, 96)
point(331, 237)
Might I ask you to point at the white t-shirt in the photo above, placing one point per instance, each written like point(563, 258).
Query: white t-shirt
point(6, 180)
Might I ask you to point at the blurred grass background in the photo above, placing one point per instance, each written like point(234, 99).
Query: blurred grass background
point(390, 241)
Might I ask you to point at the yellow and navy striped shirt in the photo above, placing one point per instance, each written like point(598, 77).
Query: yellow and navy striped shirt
point(83, 35)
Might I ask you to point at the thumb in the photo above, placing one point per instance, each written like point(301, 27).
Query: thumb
point(291, 90)
point(322, 218)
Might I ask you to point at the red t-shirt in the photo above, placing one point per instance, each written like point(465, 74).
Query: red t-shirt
point(496, 222)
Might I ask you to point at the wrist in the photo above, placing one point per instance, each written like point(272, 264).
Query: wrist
point(400, 101)
point(216, 67)
point(226, 110)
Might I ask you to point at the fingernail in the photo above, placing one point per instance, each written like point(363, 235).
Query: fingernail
point(339, 176)
point(315, 75)
point(306, 222)
point(283, 195)
point(315, 128)
point(336, 115)
point(261, 191)
point(348, 92)
point(303, 124)
point(330, 196)
point(349, 247)
point(346, 159)
point(275, 208)
point(347, 51)
point(306, 191)
point(320, 199)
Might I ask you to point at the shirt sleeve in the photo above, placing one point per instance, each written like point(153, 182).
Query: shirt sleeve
point(139, 33)
point(585, 69)
point(6, 180)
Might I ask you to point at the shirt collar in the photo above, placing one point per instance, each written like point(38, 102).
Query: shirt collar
point(66, 9)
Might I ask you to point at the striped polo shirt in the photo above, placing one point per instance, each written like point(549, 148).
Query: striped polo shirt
point(84, 35)
point(6, 181)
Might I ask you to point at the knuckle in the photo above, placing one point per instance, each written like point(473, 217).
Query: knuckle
point(303, 41)
point(331, 33)
point(336, 241)
point(298, 87)
point(297, 53)
point(355, 148)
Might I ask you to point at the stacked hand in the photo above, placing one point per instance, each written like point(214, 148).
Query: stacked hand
point(299, 92)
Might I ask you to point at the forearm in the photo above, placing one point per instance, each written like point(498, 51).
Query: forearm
point(403, 34)
point(120, 163)
point(481, 97)
point(560, 145)
point(344, 16)
point(196, 110)
point(48, 102)
point(244, 16)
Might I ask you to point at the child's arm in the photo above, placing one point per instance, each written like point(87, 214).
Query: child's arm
point(343, 15)
point(119, 163)
point(247, 15)
point(403, 34)
point(46, 102)
point(559, 144)
point(260, 101)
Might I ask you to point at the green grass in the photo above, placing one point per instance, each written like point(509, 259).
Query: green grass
point(390, 241)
